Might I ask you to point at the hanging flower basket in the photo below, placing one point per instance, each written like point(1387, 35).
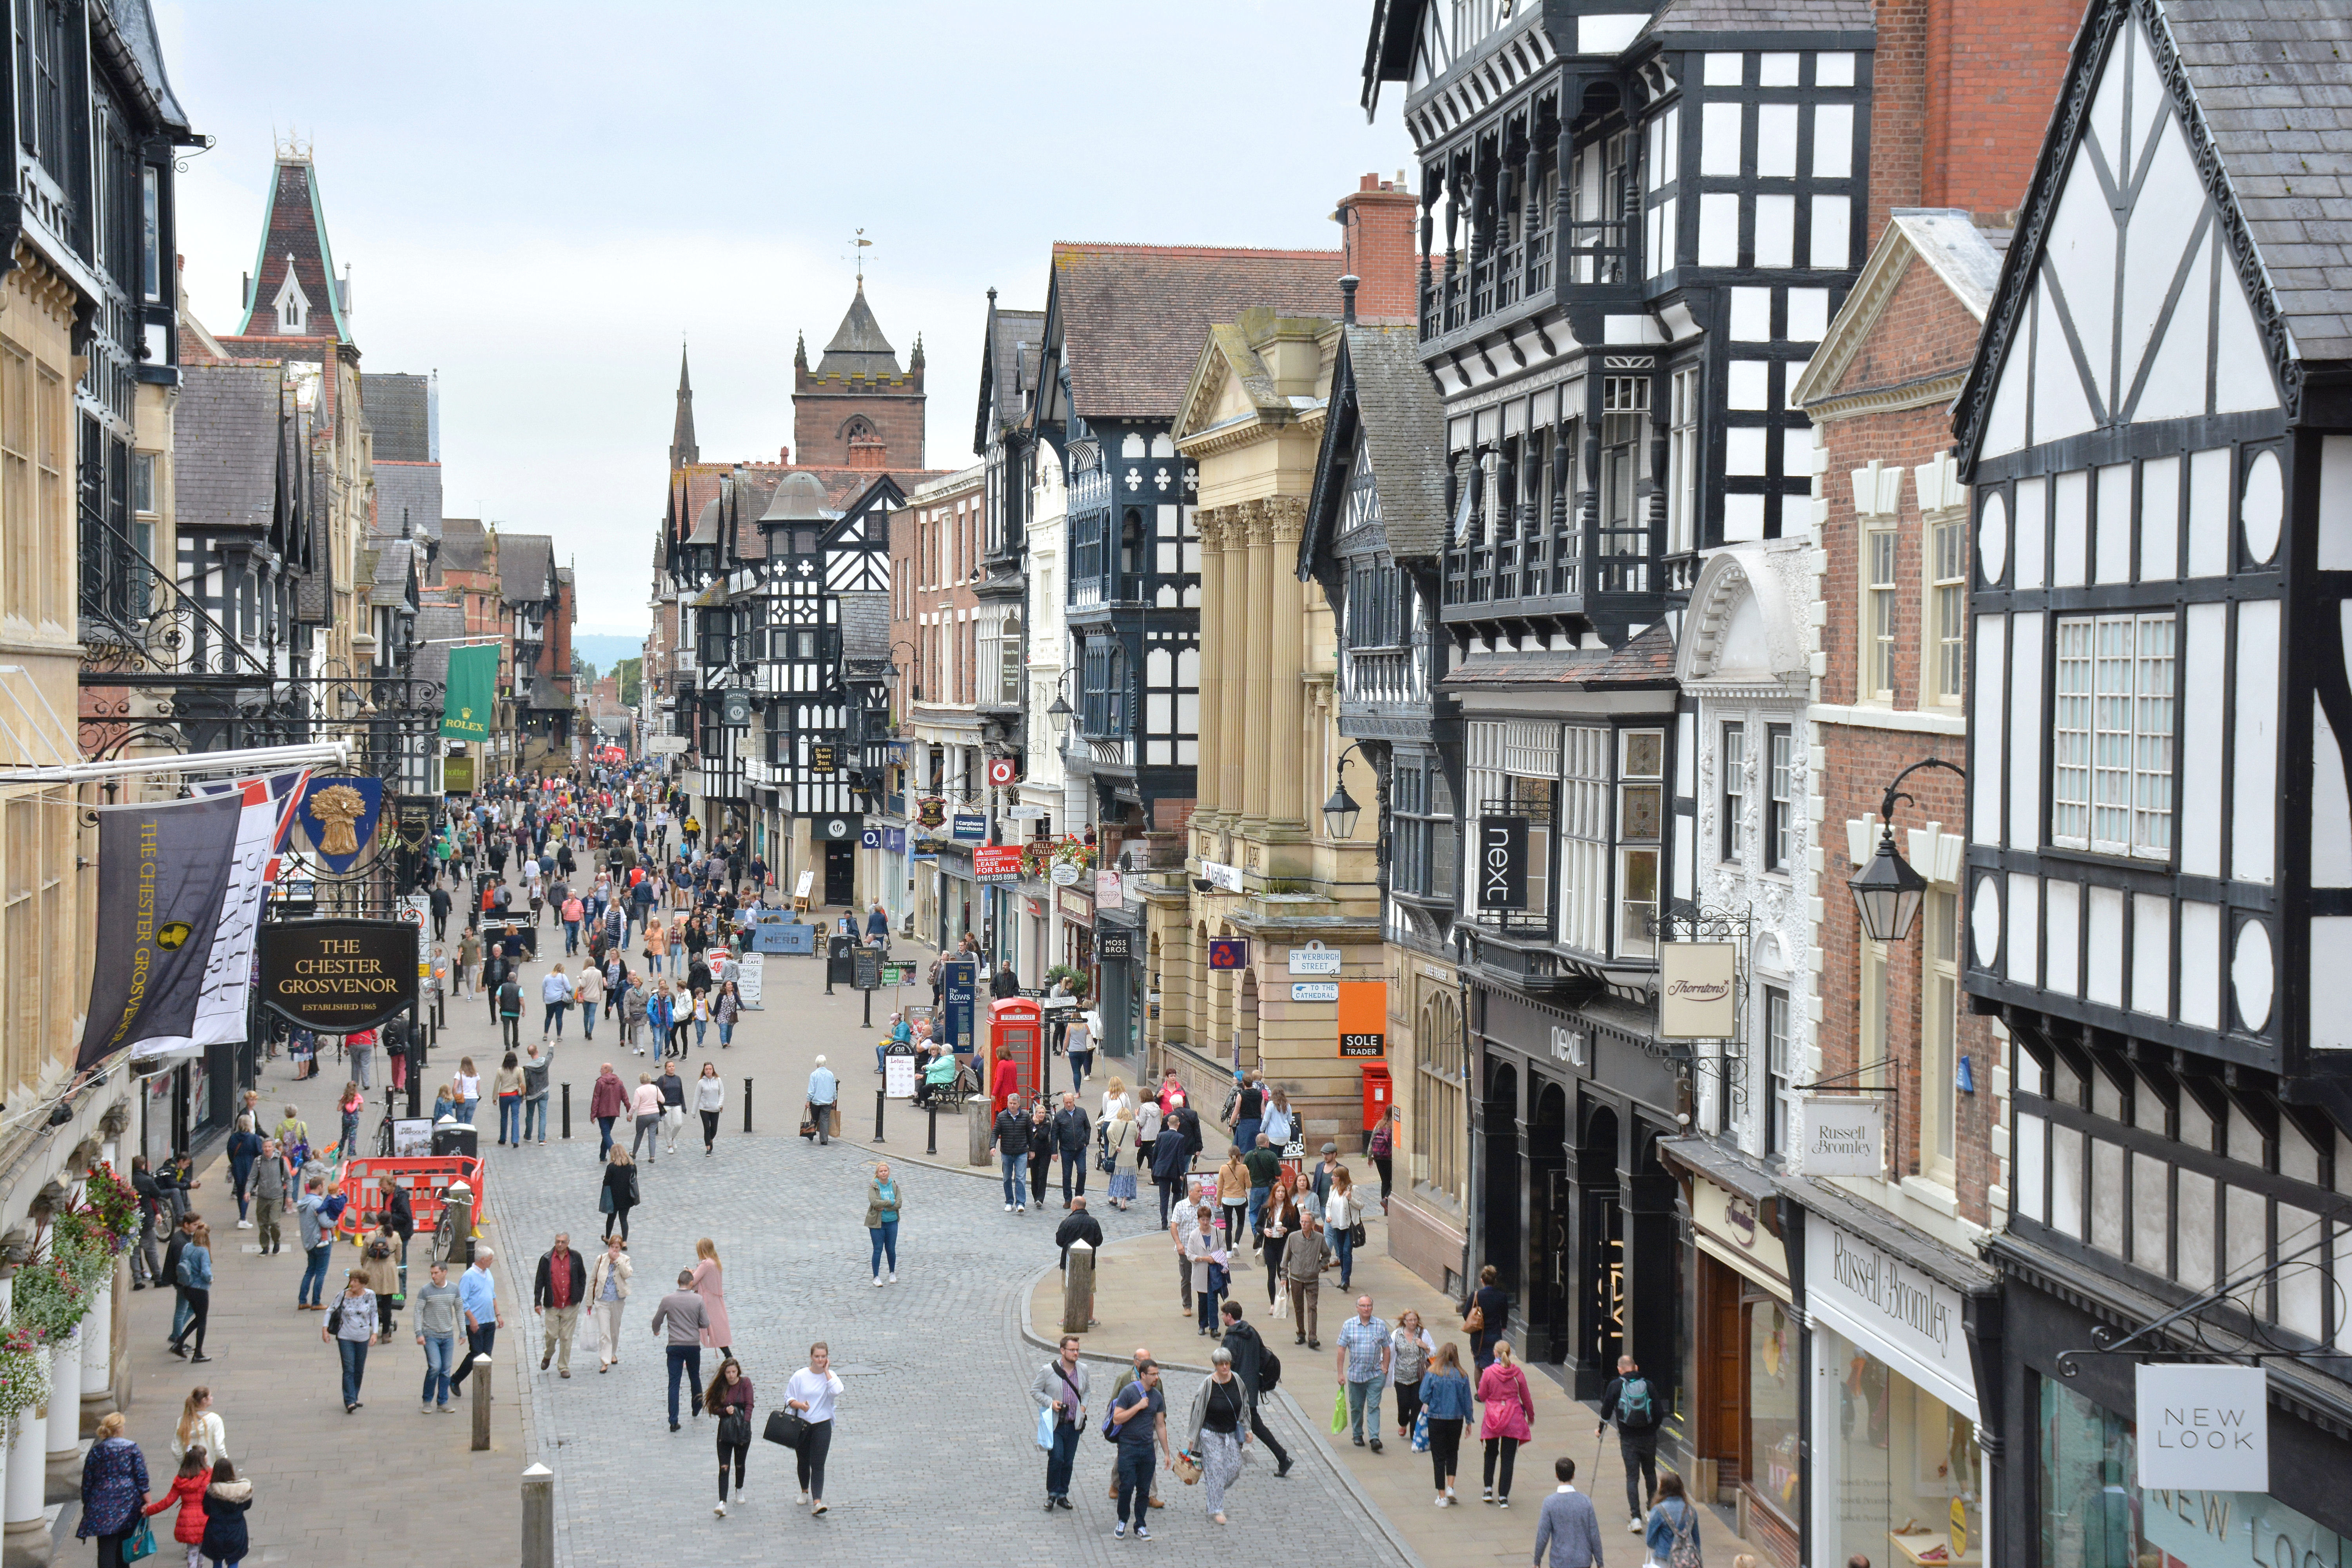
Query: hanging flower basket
point(25, 1365)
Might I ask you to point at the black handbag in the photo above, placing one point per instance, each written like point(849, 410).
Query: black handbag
point(735, 1428)
point(786, 1427)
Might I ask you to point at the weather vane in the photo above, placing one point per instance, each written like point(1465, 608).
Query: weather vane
point(858, 243)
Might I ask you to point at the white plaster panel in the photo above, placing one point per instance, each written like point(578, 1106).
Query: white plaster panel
point(1743, 449)
point(1809, 318)
point(1984, 913)
point(1831, 240)
point(2261, 506)
point(2025, 735)
point(2175, 387)
point(1834, 142)
point(1992, 537)
point(2331, 804)
point(2159, 519)
point(1834, 70)
point(1748, 383)
point(1751, 314)
point(2151, 955)
point(1718, 229)
point(2330, 1026)
point(1719, 138)
point(2062, 405)
point(2154, 244)
point(2203, 702)
point(2241, 366)
point(2070, 523)
point(2063, 909)
point(2335, 504)
point(2200, 963)
point(1610, 32)
point(1776, 230)
point(2066, 1181)
point(2080, 253)
point(1723, 68)
point(1776, 140)
point(1985, 695)
point(2253, 747)
point(2033, 1169)
point(2005, 425)
point(1743, 517)
point(2033, 532)
point(2024, 930)
point(2111, 555)
point(2253, 973)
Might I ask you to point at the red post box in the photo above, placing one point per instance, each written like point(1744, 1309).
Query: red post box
point(1380, 1093)
point(1015, 1033)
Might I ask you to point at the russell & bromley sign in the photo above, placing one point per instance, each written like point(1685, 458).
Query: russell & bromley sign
point(338, 976)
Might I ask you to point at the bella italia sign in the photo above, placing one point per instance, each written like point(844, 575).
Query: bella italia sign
point(2204, 1428)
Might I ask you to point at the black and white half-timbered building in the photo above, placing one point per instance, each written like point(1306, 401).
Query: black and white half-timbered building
point(2158, 436)
point(1636, 225)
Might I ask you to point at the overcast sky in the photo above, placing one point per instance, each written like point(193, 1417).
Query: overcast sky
point(538, 200)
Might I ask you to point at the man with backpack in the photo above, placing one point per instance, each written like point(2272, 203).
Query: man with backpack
point(1631, 1400)
point(1260, 1371)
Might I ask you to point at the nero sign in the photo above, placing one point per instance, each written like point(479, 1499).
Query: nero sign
point(1502, 862)
point(2204, 1428)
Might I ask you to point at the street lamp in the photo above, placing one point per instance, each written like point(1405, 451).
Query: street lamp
point(1341, 813)
point(1888, 892)
point(1061, 712)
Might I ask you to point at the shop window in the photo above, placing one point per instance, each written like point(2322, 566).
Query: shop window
point(1903, 1468)
point(1584, 838)
point(1641, 817)
point(1771, 1465)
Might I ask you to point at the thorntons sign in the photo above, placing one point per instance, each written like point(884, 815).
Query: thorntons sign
point(1897, 1305)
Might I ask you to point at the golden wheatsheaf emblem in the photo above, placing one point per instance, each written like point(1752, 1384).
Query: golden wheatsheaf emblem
point(336, 807)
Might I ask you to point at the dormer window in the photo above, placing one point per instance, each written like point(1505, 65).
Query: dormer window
point(293, 306)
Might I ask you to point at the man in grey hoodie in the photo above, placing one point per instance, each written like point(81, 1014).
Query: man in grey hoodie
point(683, 1316)
point(538, 1061)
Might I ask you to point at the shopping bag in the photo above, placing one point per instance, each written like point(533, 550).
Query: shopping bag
point(786, 1427)
point(1045, 1426)
point(1421, 1433)
point(1338, 1410)
point(1281, 1303)
point(140, 1544)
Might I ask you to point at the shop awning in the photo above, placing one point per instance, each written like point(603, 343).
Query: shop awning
point(1968, 1275)
point(1724, 1167)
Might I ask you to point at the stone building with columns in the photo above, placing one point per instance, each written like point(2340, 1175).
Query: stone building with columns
point(1262, 866)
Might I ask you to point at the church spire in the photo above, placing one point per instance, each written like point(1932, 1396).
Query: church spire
point(682, 449)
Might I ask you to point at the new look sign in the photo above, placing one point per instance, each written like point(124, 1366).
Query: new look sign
point(1502, 868)
point(2204, 1428)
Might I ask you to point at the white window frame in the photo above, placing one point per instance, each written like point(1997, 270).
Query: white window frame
point(1782, 783)
point(1777, 1101)
point(2114, 721)
point(1943, 678)
point(1681, 461)
point(1940, 994)
point(1881, 584)
point(1733, 750)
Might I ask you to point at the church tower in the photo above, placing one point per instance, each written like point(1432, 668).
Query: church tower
point(857, 409)
point(682, 449)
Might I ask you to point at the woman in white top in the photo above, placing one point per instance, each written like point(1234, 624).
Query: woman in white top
point(709, 1099)
point(200, 1428)
point(1114, 1095)
point(1342, 1211)
point(812, 1392)
point(1146, 1133)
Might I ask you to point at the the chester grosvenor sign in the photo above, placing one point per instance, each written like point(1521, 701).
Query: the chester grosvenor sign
point(338, 976)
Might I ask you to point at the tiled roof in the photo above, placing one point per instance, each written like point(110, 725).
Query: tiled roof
point(407, 498)
point(858, 347)
point(314, 595)
point(136, 21)
point(1132, 317)
point(464, 545)
point(390, 561)
point(865, 628)
point(1761, 17)
point(2274, 80)
point(225, 470)
point(399, 414)
point(436, 627)
point(1015, 342)
point(1645, 660)
point(526, 567)
point(1404, 432)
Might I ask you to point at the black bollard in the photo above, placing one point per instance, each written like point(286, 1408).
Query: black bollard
point(869, 1011)
point(880, 1097)
point(933, 1147)
point(567, 1114)
point(747, 1105)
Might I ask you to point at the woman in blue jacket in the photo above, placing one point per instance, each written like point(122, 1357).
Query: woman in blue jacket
point(197, 1288)
point(1445, 1400)
point(1671, 1521)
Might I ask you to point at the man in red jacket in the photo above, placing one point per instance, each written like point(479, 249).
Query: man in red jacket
point(606, 1102)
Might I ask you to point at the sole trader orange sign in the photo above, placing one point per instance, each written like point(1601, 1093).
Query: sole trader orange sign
point(1363, 1018)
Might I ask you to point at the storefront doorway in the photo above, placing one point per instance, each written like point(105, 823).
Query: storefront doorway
point(1602, 1225)
point(1501, 1125)
point(840, 872)
point(1547, 1268)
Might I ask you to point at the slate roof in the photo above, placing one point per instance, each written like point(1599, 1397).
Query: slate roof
point(314, 593)
point(436, 624)
point(865, 628)
point(1645, 660)
point(1761, 16)
point(464, 545)
point(800, 496)
point(526, 567)
point(228, 423)
point(858, 347)
point(399, 414)
point(1131, 318)
point(1016, 342)
point(136, 21)
point(390, 561)
point(2274, 80)
point(1404, 431)
point(407, 498)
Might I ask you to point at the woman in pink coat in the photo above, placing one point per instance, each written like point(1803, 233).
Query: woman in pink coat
point(707, 1285)
point(1510, 1407)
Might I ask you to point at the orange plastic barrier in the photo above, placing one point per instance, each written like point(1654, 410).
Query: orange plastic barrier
point(425, 1180)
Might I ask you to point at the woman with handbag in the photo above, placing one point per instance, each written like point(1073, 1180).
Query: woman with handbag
point(1381, 1148)
point(1485, 1315)
point(811, 1393)
point(620, 1193)
point(884, 1200)
point(608, 1291)
point(1510, 1409)
point(380, 1261)
point(729, 1397)
point(1119, 1147)
point(1343, 1217)
point(351, 1325)
point(1210, 1278)
point(1220, 1429)
point(1410, 1348)
point(113, 1492)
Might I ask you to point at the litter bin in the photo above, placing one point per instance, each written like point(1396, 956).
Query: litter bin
point(456, 1139)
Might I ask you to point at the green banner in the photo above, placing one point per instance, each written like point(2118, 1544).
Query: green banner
point(473, 685)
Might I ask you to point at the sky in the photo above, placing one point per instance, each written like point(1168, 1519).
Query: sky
point(539, 202)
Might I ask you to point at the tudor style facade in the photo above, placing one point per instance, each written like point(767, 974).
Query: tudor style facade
point(2159, 831)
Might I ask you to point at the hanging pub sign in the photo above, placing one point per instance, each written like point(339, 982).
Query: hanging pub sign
point(1364, 1019)
point(824, 758)
point(735, 708)
point(930, 811)
point(2204, 1428)
point(1845, 1135)
point(338, 976)
point(340, 812)
point(412, 818)
point(1502, 862)
point(1699, 989)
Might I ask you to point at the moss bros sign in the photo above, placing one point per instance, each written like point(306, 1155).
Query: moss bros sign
point(338, 976)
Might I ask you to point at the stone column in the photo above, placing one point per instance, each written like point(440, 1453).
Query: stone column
point(1256, 735)
point(26, 1538)
point(1211, 522)
point(1232, 620)
point(63, 1427)
point(1293, 745)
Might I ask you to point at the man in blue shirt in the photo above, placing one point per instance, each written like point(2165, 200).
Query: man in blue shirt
point(823, 1089)
point(478, 1294)
point(1363, 1367)
point(1139, 1415)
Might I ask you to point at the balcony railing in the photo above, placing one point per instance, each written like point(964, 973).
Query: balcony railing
point(1532, 566)
point(1384, 674)
point(1600, 253)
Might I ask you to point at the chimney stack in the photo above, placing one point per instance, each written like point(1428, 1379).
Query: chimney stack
point(1379, 218)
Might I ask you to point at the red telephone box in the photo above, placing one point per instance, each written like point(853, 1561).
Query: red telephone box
point(1015, 1031)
